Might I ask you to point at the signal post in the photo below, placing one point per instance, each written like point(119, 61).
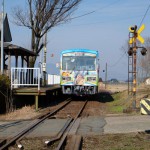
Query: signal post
point(134, 69)
point(133, 52)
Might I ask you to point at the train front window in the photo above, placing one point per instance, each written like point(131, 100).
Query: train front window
point(79, 63)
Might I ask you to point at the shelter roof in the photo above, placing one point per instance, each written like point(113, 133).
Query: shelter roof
point(7, 33)
point(14, 50)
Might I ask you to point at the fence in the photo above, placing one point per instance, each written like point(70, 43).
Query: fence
point(25, 77)
point(53, 79)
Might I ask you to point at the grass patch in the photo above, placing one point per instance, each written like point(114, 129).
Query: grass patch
point(116, 109)
point(119, 102)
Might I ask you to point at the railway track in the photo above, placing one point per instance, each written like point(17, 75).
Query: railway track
point(61, 136)
point(5, 143)
point(73, 144)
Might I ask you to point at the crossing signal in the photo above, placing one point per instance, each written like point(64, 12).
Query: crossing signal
point(133, 29)
point(141, 39)
point(144, 51)
point(136, 34)
point(130, 51)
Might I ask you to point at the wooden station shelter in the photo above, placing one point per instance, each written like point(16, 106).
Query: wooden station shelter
point(16, 51)
point(10, 50)
point(13, 50)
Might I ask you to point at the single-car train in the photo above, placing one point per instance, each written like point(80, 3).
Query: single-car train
point(79, 72)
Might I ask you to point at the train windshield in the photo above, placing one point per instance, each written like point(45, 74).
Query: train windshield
point(79, 63)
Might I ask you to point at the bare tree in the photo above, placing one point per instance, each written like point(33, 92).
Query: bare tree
point(41, 16)
point(144, 61)
point(143, 65)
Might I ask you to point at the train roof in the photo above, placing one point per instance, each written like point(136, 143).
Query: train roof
point(80, 50)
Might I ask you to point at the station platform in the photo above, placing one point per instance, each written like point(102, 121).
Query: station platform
point(44, 91)
point(34, 90)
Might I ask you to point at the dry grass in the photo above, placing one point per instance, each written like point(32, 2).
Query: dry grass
point(26, 112)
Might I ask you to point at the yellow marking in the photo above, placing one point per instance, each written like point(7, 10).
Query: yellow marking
point(145, 104)
point(139, 37)
point(131, 40)
point(132, 31)
point(141, 28)
point(134, 89)
point(143, 111)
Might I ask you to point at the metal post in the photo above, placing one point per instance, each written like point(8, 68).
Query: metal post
point(9, 64)
point(128, 73)
point(2, 39)
point(134, 72)
point(44, 61)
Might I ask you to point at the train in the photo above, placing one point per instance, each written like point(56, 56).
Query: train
point(79, 72)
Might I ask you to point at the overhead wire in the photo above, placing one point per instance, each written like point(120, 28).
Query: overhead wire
point(116, 20)
point(91, 12)
point(83, 15)
point(139, 26)
point(144, 15)
point(118, 60)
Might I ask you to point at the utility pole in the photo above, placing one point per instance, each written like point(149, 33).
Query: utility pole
point(44, 61)
point(2, 39)
point(106, 76)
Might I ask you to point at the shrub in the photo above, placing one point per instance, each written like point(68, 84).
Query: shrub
point(4, 83)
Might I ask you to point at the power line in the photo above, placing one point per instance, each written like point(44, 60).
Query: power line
point(91, 12)
point(107, 21)
point(108, 5)
point(144, 15)
point(83, 15)
point(117, 60)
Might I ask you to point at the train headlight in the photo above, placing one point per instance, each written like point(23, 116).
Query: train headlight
point(66, 78)
point(91, 79)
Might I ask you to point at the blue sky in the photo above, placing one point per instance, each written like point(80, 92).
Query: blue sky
point(105, 30)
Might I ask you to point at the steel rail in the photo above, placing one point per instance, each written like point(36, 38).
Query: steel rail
point(3, 142)
point(75, 143)
point(60, 134)
point(20, 135)
point(7, 125)
point(63, 140)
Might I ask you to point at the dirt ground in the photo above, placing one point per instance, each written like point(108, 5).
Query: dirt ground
point(28, 112)
point(130, 141)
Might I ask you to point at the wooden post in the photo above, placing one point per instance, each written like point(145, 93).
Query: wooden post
point(16, 62)
point(36, 102)
point(22, 72)
point(9, 65)
point(16, 65)
point(22, 61)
